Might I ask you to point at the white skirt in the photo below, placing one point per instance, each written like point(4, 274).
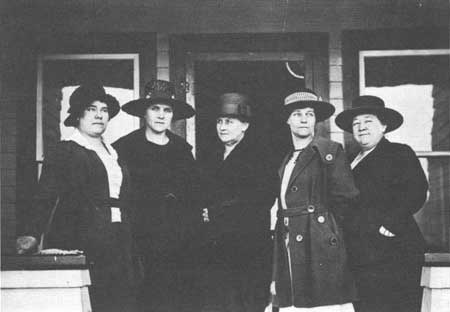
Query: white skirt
point(346, 307)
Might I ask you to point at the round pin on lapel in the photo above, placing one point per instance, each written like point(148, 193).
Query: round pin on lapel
point(329, 157)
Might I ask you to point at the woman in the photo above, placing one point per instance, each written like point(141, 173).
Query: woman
point(386, 246)
point(90, 186)
point(239, 190)
point(164, 191)
point(310, 263)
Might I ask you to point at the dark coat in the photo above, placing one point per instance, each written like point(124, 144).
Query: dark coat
point(165, 192)
point(392, 188)
point(82, 220)
point(239, 192)
point(318, 198)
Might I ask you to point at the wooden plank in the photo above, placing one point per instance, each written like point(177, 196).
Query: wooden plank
point(41, 262)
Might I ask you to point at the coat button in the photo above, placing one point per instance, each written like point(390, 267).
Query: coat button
point(311, 208)
point(321, 219)
point(294, 188)
point(299, 238)
point(329, 157)
point(333, 241)
point(286, 221)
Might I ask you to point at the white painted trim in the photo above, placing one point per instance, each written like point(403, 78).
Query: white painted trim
point(384, 53)
point(39, 93)
point(190, 99)
point(109, 56)
point(428, 154)
point(45, 278)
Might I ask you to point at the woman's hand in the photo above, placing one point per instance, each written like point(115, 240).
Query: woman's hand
point(273, 291)
point(205, 215)
point(26, 245)
point(385, 232)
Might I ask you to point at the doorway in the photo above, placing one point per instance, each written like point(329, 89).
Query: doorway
point(267, 78)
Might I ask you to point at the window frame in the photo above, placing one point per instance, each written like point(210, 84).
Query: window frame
point(387, 53)
point(67, 57)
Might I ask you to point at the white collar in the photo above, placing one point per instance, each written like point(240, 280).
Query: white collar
point(365, 153)
point(361, 155)
point(78, 138)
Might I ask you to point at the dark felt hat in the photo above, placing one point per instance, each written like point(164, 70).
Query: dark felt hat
point(235, 105)
point(307, 98)
point(159, 92)
point(369, 104)
point(85, 95)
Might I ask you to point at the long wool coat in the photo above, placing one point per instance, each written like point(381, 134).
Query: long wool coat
point(82, 220)
point(318, 198)
point(164, 192)
point(393, 187)
point(239, 192)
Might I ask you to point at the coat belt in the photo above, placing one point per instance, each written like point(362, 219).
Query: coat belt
point(302, 210)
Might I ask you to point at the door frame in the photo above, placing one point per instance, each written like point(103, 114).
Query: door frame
point(192, 57)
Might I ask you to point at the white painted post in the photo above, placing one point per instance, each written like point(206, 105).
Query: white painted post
point(436, 283)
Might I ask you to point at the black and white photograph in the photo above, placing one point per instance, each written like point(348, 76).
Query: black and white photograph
point(225, 155)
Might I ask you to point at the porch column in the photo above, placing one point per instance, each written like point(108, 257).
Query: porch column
point(436, 283)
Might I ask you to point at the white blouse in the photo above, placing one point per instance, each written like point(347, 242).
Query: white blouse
point(113, 170)
point(287, 176)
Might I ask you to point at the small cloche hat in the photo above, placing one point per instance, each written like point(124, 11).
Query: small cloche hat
point(235, 105)
point(84, 96)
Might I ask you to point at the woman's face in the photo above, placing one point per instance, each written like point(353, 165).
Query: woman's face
point(158, 117)
point(368, 130)
point(302, 122)
point(230, 130)
point(94, 119)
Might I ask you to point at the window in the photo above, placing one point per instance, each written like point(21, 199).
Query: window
point(60, 75)
point(417, 84)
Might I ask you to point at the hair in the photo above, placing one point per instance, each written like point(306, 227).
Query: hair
point(238, 117)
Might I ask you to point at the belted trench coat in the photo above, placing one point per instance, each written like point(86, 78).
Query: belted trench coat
point(310, 267)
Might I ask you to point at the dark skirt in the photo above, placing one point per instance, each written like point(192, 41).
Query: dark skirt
point(112, 273)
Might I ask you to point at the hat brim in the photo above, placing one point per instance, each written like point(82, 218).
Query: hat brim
point(109, 100)
point(391, 118)
point(322, 110)
point(181, 110)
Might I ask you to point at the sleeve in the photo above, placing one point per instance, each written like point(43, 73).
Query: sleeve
point(343, 193)
point(46, 195)
point(408, 190)
point(62, 176)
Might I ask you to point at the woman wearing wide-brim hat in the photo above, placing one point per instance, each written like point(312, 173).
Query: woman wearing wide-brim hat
point(311, 272)
point(164, 193)
point(385, 243)
point(82, 201)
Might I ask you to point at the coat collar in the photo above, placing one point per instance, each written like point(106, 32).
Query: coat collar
point(317, 145)
point(78, 138)
point(379, 149)
point(239, 149)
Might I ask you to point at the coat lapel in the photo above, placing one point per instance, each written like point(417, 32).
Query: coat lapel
point(304, 159)
point(379, 149)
